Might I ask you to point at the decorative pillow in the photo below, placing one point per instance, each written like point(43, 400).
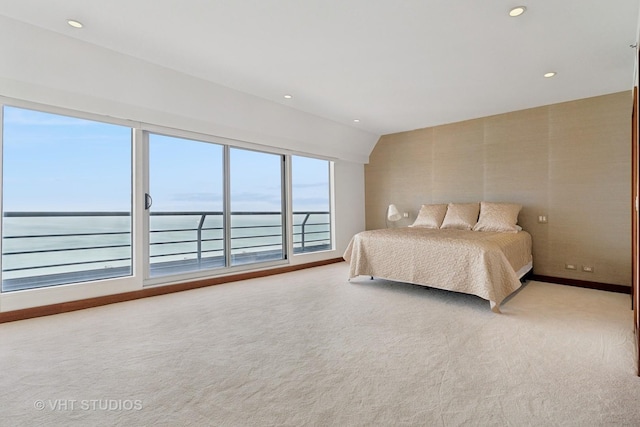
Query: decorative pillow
point(430, 216)
point(498, 217)
point(462, 216)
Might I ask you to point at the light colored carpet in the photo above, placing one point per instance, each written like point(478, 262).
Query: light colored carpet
point(310, 348)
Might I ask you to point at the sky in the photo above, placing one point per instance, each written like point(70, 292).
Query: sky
point(58, 163)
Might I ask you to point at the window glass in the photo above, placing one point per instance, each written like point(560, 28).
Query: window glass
point(66, 200)
point(256, 206)
point(311, 206)
point(186, 221)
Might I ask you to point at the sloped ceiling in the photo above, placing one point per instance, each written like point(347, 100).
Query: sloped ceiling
point(393, 65)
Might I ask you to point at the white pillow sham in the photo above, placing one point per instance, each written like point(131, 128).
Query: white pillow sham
point(462, 216)
point(430, 216)
point(502, 217)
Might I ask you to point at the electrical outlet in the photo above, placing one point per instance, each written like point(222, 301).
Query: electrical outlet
point(405, 214)
point(542, 219)
point(587, 269)
point(570, 266)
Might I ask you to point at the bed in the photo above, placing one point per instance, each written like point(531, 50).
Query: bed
point(488, 264)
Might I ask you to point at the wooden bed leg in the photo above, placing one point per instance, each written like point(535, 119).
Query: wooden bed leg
point(495, 307)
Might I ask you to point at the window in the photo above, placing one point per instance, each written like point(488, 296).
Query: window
point(66, 200)
point(67, 211)
point(257, 213)
point(186, 223)
point(311, 193)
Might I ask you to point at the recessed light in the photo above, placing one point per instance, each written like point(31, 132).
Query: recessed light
point(549, 74)
point(356, 120)
point(517, 11)
point(288, 96)
point(74, 23)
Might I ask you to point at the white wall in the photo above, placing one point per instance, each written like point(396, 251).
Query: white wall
point(52, 69)
point(349, 196)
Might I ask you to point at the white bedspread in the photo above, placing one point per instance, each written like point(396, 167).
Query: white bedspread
point(473, 262)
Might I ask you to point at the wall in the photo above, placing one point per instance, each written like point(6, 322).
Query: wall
point(569, 161)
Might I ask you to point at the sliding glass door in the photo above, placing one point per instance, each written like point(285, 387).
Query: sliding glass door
point(185, 204)
point(66, 200)
point(256, 206)
point(212, 206)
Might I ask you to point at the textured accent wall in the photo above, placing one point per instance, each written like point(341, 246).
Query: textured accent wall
point(568, 161)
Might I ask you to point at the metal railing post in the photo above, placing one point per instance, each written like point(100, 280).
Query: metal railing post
point(304, 224)
point(199, 242)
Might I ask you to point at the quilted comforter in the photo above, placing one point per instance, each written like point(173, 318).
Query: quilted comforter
point(474, 262)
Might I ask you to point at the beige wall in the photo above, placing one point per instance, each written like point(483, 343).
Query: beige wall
point(569, 161)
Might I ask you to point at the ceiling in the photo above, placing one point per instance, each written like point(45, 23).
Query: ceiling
point(394, 65)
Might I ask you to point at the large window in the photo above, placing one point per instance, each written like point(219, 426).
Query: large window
point(66, 200)
point(311, 197)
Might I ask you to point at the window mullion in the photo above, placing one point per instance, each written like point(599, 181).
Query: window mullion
point(140, 214)
point(288, 206)
point(226, 211)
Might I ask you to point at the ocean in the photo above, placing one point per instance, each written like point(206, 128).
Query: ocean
point(46, 245)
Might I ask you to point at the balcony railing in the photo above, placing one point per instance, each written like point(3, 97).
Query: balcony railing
point(51, 248)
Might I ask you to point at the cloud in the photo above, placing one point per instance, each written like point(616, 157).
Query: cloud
point(196, 197)
point(322, 185)
point(311, 201)
point(240, 201)
point(274, 198)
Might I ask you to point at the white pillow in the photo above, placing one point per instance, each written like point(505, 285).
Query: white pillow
point(501, 217)
point(462, 216)
point(430, 216)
